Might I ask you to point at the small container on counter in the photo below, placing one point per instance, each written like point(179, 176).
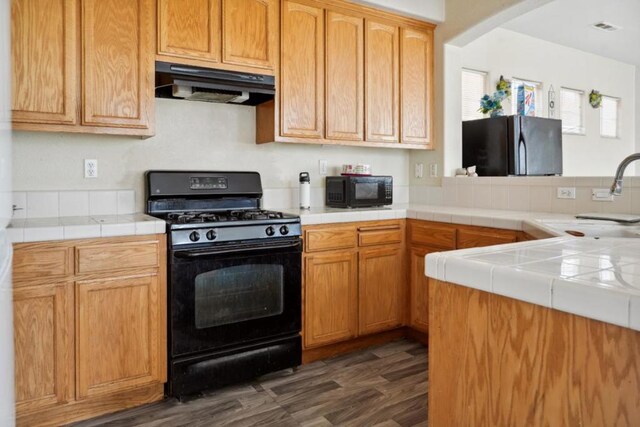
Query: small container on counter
point(305, 190)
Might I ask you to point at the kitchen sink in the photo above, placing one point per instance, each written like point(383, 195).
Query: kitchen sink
point(591, 228)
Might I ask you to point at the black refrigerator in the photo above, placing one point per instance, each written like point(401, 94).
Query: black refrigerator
point(513, 145)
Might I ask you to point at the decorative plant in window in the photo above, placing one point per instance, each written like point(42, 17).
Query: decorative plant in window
point(595, 99)
point(493, 104)
point(504, 85)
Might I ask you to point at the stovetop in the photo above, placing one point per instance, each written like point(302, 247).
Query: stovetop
point(225, 216)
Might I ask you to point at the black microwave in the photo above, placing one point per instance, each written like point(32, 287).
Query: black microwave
point(359, 191)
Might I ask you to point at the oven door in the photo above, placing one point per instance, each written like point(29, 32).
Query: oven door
point(234, 294)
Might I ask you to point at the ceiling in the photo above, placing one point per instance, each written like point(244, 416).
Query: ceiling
point(568, 23)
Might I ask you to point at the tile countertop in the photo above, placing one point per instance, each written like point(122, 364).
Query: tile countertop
point(82, 227)
point(595, 278)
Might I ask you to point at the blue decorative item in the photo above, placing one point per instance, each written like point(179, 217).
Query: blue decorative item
point(493, 104)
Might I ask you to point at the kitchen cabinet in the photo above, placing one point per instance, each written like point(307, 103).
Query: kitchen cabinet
point(341, 78)
point(237, 35)
point(416, 86)
point(345, 76)
point(381, 82)
point(44, 61)
point(418, 289)
point(477, 238)
point(89, 327)
point(96, 74)
point(302, 71)
point(331, 298)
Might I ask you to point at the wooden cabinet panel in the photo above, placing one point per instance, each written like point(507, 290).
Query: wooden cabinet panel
point(189, 28)
point(475, 239)
point(250, 32)
point(43, 338)
point(345, 79)
point(419, 289)
point(381, 82)
point(380, 235)
point(41, 260)
point(43, 61)
point(331, 298)
point(119, 325)
point(117, 256)
point(416, 87)
point(381, 285)
point(302, 71)
point(118, 63)
point(437, 235)
point(323, 239)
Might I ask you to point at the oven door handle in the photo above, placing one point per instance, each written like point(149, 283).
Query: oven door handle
point(199, 254)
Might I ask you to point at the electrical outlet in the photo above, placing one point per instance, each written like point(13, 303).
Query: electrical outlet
point(566, 192)
point(433, 170)
point(601, 195)
point(419, 170)
point(90, 168)
point(322, 167)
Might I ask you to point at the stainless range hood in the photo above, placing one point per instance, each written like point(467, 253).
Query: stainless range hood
point(191, 83)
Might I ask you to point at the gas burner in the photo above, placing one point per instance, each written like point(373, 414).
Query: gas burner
point(236, 215)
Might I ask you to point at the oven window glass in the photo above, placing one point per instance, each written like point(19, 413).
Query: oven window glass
point(366, 191)
point(238, 293)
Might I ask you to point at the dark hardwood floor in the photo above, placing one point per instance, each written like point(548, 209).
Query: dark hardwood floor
point(381, 386)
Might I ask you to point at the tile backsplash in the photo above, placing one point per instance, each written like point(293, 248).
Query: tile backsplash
point(535, 194)
point(49, 204)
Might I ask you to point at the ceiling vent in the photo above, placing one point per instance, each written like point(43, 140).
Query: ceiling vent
point(605, 26)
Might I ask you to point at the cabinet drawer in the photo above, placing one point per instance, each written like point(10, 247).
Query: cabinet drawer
point(32, 261)
point(476, 239)
point(370, 236)
point(117, 256)
point(434, 235)
point(336, 238)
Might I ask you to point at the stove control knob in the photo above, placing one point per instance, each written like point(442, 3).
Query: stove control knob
point(211, 235)
point(284, 230)
point(270, 231)
point(194, 237)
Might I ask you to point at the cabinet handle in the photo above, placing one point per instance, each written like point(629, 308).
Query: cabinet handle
point(379, 228)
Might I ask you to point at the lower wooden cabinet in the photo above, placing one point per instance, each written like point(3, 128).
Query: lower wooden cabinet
point(331, 298)
point(88, 343)
point(418, 289)
point(43, 324)
point(381, 284)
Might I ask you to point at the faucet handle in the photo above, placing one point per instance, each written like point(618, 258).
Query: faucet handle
point(616, 187)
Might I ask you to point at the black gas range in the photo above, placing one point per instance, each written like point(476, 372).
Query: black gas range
point(234, 277)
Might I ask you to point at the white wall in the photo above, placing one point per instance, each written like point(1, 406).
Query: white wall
point(516, 55)
point(189, 135)
point(431, 10)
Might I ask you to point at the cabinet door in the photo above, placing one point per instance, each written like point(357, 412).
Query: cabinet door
point(43, 61)
point(250, 29)
point(118, 63)
point(43, 338)
point(416, 89)
point(478, 238)
point(419, 289)
point(119, 328)
point(331, 298)
point(381, 82)
point(345, 80)
point(189, 29)
point(382, 283)
point(302, 71)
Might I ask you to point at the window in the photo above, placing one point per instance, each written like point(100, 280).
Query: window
point(474, 85)
point(609, 117)
point(515, 83)
point(571, 101)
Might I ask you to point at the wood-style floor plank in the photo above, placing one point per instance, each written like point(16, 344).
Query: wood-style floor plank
point(382, 386)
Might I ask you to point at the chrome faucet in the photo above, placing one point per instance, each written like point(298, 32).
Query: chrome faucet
point(616, 187)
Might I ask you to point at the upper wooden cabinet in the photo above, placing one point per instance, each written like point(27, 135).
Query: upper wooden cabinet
point(239, 35)
point(44, 61)
point(381, 81)
point(83, 66)
point(190, 29)
point(350, 75)
point(117, 63)
point(416, 86)
point(344, 77)
point(302, 71)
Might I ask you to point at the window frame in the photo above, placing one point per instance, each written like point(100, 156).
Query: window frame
point(485, 75)
point(581, 129)
point(617, 101)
